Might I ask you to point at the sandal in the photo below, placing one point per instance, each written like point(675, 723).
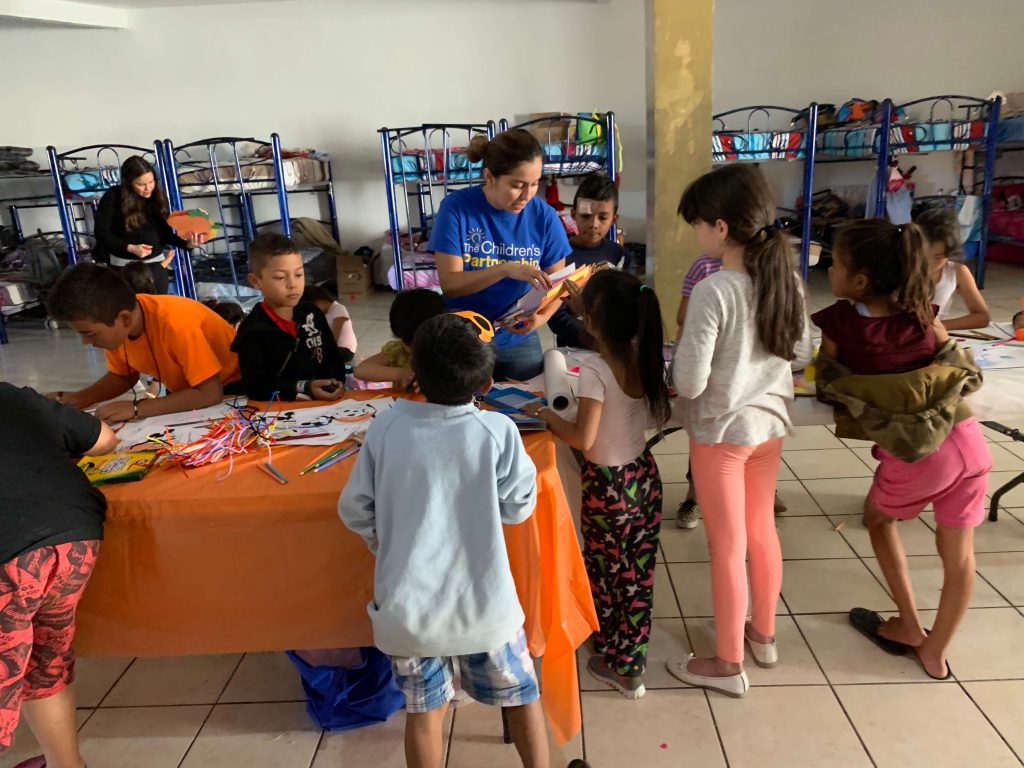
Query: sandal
point(917, 658)
point(867, 623)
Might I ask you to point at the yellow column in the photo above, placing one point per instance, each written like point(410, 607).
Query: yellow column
point(678, 134)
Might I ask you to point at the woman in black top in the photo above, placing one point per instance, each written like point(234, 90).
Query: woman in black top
point(131, 223)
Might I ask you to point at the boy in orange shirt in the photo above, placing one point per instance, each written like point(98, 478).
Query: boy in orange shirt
point(184, 345)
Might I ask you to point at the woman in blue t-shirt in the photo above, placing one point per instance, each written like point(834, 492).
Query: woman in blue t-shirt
point(496, 241)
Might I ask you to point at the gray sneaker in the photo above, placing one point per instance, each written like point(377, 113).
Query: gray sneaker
point(688, 514)
point(630, 687)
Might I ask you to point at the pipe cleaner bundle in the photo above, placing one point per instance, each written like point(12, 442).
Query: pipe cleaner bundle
point(242, 431)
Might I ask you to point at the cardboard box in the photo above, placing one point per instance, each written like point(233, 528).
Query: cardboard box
point(550, 131)
point(355, 278)
point(16, 294)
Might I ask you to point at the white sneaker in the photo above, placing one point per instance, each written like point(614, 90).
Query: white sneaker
point(731, 685)
point(766, 655)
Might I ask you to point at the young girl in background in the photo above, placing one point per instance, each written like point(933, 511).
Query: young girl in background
point(744, 325)
point(888, 357)
point(337, 317)
point(949, 276)
point(393, 363)
point(622, 390)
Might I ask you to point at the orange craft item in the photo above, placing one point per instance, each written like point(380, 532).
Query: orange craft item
point(194, 565)
point(193, 224)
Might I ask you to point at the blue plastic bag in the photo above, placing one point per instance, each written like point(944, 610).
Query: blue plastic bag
point(343, 698)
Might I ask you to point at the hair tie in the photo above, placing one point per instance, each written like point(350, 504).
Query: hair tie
point(899, 229)
point(644, 287)
point(776, 226)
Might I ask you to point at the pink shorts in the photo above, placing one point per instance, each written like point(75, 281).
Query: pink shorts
point(954, 480)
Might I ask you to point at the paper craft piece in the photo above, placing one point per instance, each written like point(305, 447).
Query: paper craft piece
point(510, 401)
point(117, 467)
point(193, 224)
point(558, 388)
point(327, 424)
point(539, 299)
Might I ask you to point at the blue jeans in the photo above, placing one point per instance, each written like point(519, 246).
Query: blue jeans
point(520, 362)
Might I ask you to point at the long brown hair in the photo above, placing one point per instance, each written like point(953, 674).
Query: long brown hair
point(739, 195)
point(940, 225)
point(626, 315)
point(505, 151)
point(137, 210)
point(893, 258)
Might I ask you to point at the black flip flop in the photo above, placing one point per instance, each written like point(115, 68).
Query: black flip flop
point(949, 669)
point(867, 623)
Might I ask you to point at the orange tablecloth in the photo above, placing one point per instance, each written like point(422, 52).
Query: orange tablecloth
point(196, 565)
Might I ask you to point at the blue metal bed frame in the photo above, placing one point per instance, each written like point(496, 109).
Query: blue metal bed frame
point(229, 195)
point(63, 164)
point(16, 203)
point(422, 145)
point(986, 110)
point(567, 166)
point(237, 192)
point(759, 120)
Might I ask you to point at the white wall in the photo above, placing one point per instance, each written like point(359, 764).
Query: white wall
point(328, 74)
point(792, 52)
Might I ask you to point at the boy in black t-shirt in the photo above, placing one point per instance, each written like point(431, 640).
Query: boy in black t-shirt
point(51, 524)
point(285, 344)
point(594, 209)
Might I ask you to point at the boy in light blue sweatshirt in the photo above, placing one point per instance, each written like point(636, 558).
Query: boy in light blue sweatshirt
point(429, 493)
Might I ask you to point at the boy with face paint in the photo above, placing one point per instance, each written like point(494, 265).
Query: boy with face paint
point(594, 209)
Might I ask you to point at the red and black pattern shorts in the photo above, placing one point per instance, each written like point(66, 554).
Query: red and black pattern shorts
point(39, 593)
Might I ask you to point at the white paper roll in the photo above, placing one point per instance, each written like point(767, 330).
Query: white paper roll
point(558, 385)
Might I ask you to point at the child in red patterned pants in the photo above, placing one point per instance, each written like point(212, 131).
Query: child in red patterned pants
point(51, 523)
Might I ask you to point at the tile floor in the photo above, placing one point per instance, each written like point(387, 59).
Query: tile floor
point(833, 701)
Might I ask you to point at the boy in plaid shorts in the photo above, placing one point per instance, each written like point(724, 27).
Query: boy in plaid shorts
point(429, 493)
point(51, 523)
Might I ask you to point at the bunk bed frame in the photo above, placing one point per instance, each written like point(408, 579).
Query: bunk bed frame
point(746, 134)
point(975, 130)
point(423, 163)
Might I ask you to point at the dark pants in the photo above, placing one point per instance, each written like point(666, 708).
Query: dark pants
point(161, 277)
point(520, 362)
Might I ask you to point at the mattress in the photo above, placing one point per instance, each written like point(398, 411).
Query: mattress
point(758, 145)
point(560, 158)
point(1011, 130)
point(256, 174)
point(904, 138)
point(1007, 216)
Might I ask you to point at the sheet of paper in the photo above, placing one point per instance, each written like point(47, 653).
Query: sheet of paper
point(183, 427)
point(319, 425)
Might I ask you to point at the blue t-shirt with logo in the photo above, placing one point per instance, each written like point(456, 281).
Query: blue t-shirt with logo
point(467, 225)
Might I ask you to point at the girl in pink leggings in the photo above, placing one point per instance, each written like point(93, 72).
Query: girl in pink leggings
point(896, 378)
point(744, 325)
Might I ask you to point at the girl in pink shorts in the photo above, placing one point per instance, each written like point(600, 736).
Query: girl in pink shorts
point(896, 378)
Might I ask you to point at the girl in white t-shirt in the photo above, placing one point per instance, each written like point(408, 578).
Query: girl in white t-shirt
point(951, 277)
point(622, 390)
point(337, 319)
